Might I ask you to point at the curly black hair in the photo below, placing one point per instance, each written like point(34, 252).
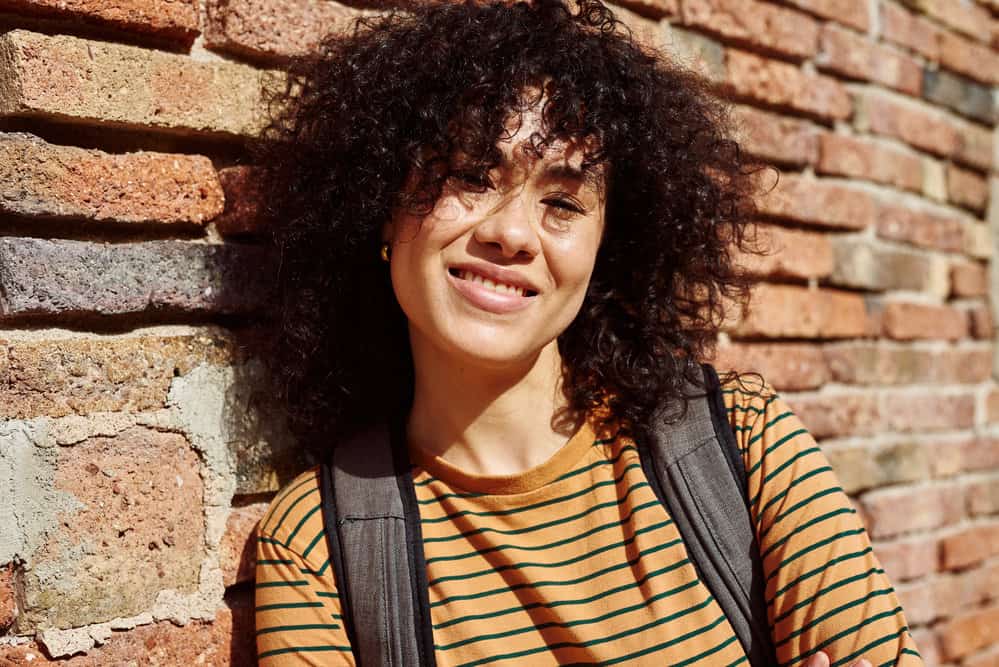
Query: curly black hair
point(408, 91)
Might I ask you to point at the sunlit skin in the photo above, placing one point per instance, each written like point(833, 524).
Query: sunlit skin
point(487, 365)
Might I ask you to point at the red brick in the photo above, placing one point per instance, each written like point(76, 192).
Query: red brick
point(55, 376)
point(169, 19)
point(790, 253)
point(776, 138)
point(758, 25)
point(921, 228)
point(980, 322)
point(140, 525)
point(837, 414)
point(969, 279)
point(786, 366)
point(865, 264)
point(967, 188)
point(908, 558)
point(129, 87)
point(981, 453)
point(844, 155)
point(908, 411)
point(912, 509)
point(47, 180)
point(983, 496)
point(270, 30)
point(929, 645)
point(652, 8)
point(947, 455)
point(783, 311)
point(987, 658)
point(908, 30)
point(963, 16)
point(920, 126)
point(783, 85)
point(8, 599)
point(969, 546)
point(977, 239)
point(968, 632)
point(819, 202)
point(927, 600)
point(237, 550)
point(974, 145)
point(227, 641)
point(914, 321)
point(244, 193)
point(849, 54)
point(970, 58)
point(848, 12)
point(883, 363)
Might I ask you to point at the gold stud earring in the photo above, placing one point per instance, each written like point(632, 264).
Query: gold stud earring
point(385, 252)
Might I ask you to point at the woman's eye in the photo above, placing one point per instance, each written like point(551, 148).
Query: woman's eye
point(564, 208)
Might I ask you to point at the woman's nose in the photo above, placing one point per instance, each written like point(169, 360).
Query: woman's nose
point(508, 228)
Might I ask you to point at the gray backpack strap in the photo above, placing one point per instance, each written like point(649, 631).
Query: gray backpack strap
point(693, 462)
point(376, 550)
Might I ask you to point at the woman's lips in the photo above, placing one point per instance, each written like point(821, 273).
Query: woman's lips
point(487, 299)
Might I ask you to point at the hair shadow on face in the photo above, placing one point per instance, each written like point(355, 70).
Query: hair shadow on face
point(378, 121)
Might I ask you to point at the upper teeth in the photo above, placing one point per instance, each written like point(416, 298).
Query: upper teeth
point(501, 288)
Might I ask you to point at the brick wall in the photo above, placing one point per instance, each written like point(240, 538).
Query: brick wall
point(137, 448)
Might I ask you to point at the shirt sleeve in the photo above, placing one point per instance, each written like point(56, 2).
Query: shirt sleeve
point(825, 589)
point(297, 609)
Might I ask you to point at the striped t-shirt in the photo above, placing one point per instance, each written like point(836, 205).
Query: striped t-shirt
point(576, 561)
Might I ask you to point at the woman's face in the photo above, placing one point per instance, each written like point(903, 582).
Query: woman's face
point(492, 278)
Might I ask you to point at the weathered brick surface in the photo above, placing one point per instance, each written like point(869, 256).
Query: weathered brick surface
point(8, 602)
point(863, 467)
point(963, 16)
point(969, 279)
point(789, 253)
point(273, 30)
point(969, 546)
point(243, 202)
point(975, 145)
point(139, 530)
point(975, 60)
point(883, 363)
point(653, 8)
point(59, 376)
point(819, 202)
point(978, 239)
point(42, 179)
point(837, 414)
point(755, 24)
point(959, 93)
point(781, 84)
point(848, 12)
point(967, 188)
point(775, 137)
point(920, 411)
point(172, 19)
point(909, 30)
point(786, 366)
point(980, 322)
point(42, 277)
point(227, 640)
point(703, 54)
point(127, 85)
point(783, 311)
point(968, 632)
point(851, 55)
point(237, 551)
point(862, 264)
point(983, 496)
point(844, 155)
point(926, 229)
point(918, 125)
point(912, 508)
point(907, 558)
point(913, 321)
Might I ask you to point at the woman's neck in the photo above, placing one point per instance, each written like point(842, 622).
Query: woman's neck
point(489, 421)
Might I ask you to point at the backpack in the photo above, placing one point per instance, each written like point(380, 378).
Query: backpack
point(372, 526)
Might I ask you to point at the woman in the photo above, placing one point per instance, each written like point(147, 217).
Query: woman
point(514, 227)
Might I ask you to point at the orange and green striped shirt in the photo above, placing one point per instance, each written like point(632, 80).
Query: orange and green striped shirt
point(576, 561)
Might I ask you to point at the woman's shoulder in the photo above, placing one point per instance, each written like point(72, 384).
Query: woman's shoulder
point(757, 412)
point(293, 505)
